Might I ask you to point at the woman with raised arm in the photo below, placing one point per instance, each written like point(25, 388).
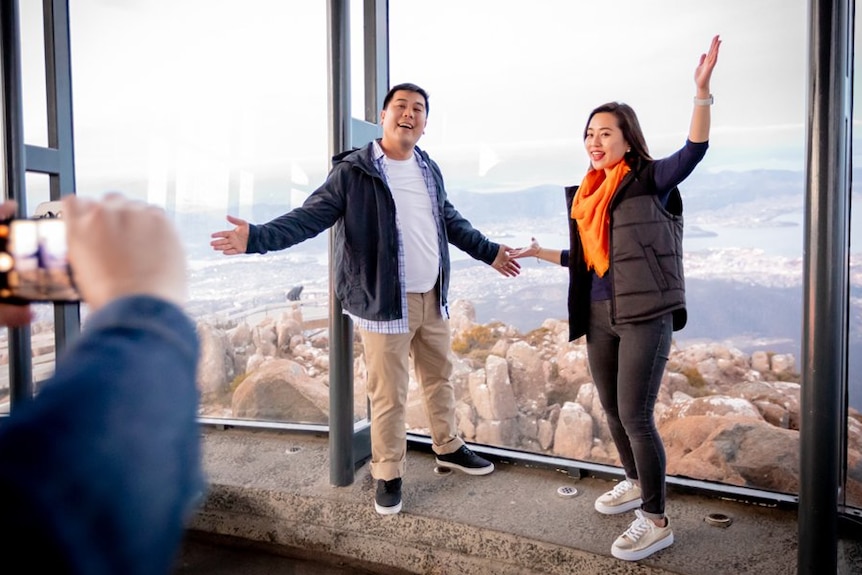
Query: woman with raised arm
point(627, 293)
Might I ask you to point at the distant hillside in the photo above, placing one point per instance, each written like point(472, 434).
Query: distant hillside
point(485, 207)
point(701, 192)
point(710, 191)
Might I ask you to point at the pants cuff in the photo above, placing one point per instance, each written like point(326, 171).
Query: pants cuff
point(450, 446)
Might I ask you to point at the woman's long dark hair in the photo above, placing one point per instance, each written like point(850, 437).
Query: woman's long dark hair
point(638, 155)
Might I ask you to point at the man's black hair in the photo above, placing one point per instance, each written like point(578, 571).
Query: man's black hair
point(408, 87)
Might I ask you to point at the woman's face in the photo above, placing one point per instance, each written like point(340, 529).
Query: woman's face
point(605, 143)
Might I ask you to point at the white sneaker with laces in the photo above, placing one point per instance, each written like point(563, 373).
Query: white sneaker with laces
point(642, 539)
point(624, 497)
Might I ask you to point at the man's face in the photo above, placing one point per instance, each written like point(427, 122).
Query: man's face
point(403, 119)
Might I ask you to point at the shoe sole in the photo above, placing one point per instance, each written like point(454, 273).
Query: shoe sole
point(387, 510)
point(643, 553)
point(467, 470)
point(617, 509)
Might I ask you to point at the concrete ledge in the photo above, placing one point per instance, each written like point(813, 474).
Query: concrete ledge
point(405, 542)
point(273, 488)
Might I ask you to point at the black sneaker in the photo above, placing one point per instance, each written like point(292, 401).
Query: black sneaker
point(387, 500)
point(466, 461)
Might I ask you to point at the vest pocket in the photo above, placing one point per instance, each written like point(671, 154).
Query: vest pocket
point(655, 267)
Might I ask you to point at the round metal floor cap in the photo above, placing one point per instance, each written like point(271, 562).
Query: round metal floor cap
point(440, 470)
point(567, 491)
point(718, 520)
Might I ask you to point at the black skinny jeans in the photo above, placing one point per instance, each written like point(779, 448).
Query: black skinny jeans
point(627, 362)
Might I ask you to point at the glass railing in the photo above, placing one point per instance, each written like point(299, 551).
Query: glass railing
point(510, 89)
point(215, 109)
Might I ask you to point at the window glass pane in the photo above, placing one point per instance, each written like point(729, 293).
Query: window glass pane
point(210, 109)
point(33, 87)
point(357, 59)
point(511, 87)
point(42, 328)
point(854, 420)
point(38, 189)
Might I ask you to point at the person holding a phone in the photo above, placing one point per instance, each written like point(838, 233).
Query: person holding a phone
point(102, 468)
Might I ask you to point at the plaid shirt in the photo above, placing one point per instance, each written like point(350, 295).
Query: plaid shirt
point(400, 325)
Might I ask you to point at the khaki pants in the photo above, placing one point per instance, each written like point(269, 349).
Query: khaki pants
point(387, 358)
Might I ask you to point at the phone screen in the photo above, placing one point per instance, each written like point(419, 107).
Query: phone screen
point(33, 261)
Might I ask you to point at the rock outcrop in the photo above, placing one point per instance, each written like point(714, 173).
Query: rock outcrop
point(724, 415)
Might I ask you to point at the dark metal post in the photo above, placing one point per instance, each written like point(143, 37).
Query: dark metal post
point(825, 313)
point(58, 80)
point(341, 465)
point(20, 361)
point(375, 48)
point(376, 57)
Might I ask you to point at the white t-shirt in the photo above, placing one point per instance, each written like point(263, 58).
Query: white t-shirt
point(416, 219)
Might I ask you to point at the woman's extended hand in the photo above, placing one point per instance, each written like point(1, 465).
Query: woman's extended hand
point(530, 251)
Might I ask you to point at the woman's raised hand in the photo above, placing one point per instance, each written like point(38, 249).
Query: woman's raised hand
point(707, 62)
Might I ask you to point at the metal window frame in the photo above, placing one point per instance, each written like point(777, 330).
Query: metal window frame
point(57, 160)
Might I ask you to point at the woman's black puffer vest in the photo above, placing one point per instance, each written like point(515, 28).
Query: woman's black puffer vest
point(646, 271)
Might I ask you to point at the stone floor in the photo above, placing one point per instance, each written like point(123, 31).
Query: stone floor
point(271, 490)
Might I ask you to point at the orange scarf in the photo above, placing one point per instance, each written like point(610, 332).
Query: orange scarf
point(590, 209)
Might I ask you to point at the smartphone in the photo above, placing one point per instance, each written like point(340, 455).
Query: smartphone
point(34, 264)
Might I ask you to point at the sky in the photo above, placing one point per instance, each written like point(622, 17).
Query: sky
point(162, 91)
point(534, 70)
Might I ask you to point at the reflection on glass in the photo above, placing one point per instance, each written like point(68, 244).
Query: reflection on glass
point(33, 92)
point(229, 117)
point(853, 494)
point(509, 138)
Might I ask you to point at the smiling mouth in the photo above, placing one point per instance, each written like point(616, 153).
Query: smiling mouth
point(408, 126)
